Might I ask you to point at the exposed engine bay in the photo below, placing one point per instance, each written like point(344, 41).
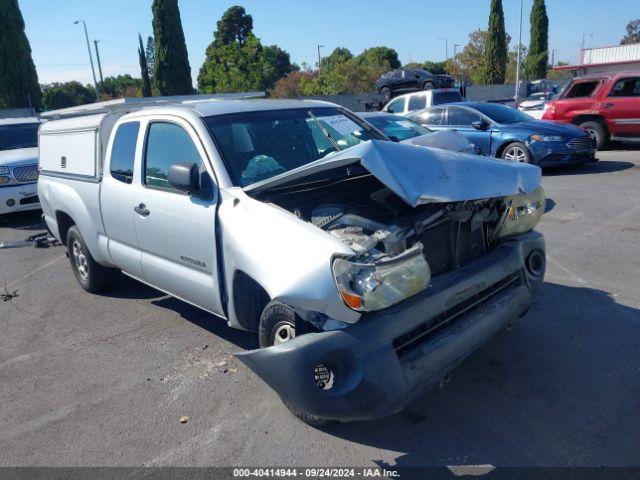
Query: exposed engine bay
point(372, 220)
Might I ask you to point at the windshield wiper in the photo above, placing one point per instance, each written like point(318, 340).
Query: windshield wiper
point(324, 131)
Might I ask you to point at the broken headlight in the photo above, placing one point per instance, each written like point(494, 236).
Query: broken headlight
point(523, 213)
point(374, 286)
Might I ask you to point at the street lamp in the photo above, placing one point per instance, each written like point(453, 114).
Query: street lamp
point(553, 57)
point(455, 62)
point(93, 72)
point(519, 57)
point(319, 59)
point(446, 47)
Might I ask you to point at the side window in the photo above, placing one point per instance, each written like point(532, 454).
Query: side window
point(167, 143)
point(431, 116)
point(461, 116)
point(626, 87)
point(581, 89)
point(123, 152)
point(417, 102)
point(397, 106)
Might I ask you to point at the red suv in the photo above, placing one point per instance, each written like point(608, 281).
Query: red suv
point(605, 104)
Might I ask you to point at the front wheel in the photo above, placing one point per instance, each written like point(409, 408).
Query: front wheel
point(517, 152)
point(277, 326)
point(597, 132)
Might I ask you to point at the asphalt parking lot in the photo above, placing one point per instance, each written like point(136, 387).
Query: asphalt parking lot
point(103, 380)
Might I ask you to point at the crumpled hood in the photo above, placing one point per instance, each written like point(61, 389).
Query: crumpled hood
point(445, 139)
point(425, 175)
point(19, 156)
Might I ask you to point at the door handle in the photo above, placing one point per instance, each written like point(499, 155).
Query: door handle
point(609, 105)
point(141, 210)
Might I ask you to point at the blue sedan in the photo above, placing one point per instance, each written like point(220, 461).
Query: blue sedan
point(504, 132)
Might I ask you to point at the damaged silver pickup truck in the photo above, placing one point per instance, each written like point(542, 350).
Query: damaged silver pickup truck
point(368, 268)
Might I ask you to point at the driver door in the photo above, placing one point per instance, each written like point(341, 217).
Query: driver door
point(461, 119)
point(176, 231)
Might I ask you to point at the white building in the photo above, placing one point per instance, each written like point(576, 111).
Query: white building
point(614, 59)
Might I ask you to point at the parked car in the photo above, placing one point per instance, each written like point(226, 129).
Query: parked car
point(368, 271)
point(410, 80)
point(605, 104)
point(18, 164)
point(403, 130)
point(410, 102)
point(504, 132)
point(535, 104)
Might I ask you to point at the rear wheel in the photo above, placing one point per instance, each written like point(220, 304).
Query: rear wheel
point(386, 93)
point(517, 152)
point(277, 326)
point(428, 86)
point(91, 276)
point(597, 132)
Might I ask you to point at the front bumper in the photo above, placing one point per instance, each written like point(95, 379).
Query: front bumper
point(549, 154)
point(19, 198)
point(395, 355)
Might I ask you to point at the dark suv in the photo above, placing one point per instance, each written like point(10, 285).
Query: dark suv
point(410, 80)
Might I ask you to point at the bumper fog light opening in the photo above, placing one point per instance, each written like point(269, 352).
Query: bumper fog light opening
point(536, 263)
point(11, 202)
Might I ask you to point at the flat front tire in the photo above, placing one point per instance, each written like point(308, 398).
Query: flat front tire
point(277, 326)
point(91, 276)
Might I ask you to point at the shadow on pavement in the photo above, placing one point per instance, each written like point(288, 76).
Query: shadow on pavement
point(603, 166)
point(23, 220)
point(561, 389)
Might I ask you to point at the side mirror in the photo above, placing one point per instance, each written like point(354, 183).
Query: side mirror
point(480, 125)
point(184, 177)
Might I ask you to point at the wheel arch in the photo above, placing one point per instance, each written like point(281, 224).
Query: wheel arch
point(511, 141)
point(64, 222)
point(249, 298)
point(579, 119)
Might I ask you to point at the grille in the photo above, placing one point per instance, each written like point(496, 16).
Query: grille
point(28, 173)
point(582, 143)
point(408, 341)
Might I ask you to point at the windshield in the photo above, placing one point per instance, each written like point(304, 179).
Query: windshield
point(260, 145)
point(19, 136)
point(502, 114)
point(396, 127)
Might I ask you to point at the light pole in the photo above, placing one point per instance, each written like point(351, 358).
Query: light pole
point(455, 62)
point(319, 60)
point(519, 57)
point(446, 47)
point(93, 72)
point(553, 57)
point(95, 42)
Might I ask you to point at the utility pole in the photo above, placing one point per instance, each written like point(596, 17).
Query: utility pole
point(553, 57)
point(319, 60)
point(93, 72)
point(95, 42)
point(519, 57)
point(446, 47)
point(455, 62)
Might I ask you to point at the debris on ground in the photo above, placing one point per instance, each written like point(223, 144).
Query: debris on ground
point(38, 240)
point(184, 419)
point(7, 296)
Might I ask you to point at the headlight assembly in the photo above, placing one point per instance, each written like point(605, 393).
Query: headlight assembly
point(523, 213)
point(4, 169)
point(546, 138)
point(374, 286)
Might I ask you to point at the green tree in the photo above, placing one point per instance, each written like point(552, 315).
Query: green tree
point(338, 56)
point(236, 60)
point(379, 56)
point(69, 94)
point(121, 86)
point(150, 55)
point(495, 52)
point(538, 56)
point(560, 74)
point(144, 69)
point(633, 33)
point(18, 77)
point(172, 73)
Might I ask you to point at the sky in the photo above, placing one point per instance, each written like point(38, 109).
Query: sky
point(299, 26)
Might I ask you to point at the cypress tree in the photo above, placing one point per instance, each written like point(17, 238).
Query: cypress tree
point(144, 69)
point(172, 72)
point(495, 53)
point(538, 57)
point(18, 76)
